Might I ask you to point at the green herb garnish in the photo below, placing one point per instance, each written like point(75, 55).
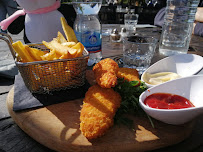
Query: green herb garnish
point(130, 92)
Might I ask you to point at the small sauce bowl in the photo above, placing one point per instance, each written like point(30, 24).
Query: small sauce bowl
point(183, 65)
point(190, 87)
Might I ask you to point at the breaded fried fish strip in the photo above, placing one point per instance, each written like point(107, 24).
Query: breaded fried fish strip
point(105, 73)
point(98, 110)
point(128, 74)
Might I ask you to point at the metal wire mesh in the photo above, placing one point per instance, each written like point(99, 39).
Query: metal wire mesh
point(46, 76)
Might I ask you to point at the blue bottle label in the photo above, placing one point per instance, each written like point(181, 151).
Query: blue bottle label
point(90, 40)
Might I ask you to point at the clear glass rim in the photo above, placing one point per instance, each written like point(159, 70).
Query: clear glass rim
point(153, 40)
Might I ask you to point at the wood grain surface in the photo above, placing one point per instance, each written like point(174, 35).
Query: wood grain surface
point(57, 127)
point(13, 139)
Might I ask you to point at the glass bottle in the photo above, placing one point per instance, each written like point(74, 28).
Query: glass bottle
point(87, 28)
point(177, 27)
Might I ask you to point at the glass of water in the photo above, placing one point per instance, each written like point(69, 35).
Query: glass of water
point(130, 21)
point(138, 52)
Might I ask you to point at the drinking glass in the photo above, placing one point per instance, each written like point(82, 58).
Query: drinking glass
point(138, 52)
point(131, 22)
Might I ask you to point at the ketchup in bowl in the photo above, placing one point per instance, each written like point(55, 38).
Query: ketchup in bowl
point(167, 101)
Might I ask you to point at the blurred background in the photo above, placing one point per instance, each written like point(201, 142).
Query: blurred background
point(112, 11)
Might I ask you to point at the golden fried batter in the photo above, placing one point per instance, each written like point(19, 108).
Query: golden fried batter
point(105, 73)
point(128, 74)
point(98, 111)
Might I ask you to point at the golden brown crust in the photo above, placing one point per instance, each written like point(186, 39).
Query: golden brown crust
point(98, 111)
point(105, 73)
point(128, 74)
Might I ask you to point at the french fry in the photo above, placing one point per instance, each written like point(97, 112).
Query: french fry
point(55, 45)
point(60, 48)
point(72, 53)
point(47, 44)
point(63, 57)
point(34, 53)
point(69, 44)
point(70, 35)
point(22, 52)
point(79, 47)
point(52, 55)
point(61, 39)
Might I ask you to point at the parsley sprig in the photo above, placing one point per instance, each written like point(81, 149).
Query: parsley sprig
point(130, 92)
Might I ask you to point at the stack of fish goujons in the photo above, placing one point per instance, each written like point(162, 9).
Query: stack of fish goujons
point(101, 101)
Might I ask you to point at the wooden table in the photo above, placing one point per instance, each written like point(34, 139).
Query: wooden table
point(13, 139)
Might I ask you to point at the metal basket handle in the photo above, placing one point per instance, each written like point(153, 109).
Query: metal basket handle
point(7, 38)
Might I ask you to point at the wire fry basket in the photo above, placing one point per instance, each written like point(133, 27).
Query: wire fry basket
point(44, 77)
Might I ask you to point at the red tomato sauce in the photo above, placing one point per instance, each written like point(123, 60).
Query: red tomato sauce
point(167, 101)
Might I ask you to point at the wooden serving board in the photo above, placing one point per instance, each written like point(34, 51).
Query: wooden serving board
point(57, 127)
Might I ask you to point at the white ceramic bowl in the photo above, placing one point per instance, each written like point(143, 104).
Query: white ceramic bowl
point(189, 87)
point(184, 65)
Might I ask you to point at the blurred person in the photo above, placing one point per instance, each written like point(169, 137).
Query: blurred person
point(197, 26)
point(7, 7)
